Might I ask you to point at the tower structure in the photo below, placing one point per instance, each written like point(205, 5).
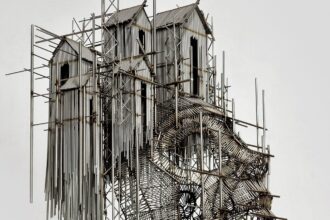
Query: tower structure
point(138, 127)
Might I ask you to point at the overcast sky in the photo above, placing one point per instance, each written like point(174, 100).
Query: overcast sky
point(283, 43)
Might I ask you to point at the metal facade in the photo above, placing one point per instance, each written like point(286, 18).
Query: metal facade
point(128, 135)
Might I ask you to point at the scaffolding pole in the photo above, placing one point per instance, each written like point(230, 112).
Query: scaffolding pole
point(257, 114)
point(31, 111)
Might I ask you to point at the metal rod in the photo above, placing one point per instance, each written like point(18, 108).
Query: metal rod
point(137, 178)
point(31, 111)
point(80, 122)
point(257, 114)
point(25, 70)
point(191, 68)
point(113, 116)
point(269, 170)
point(264, 122)
point(220, 166)
point(57, 81)
point(215, 79)
point(223, 105)
point(176, 78)
point(202, 160)
point(233, 115)
point(153, 90)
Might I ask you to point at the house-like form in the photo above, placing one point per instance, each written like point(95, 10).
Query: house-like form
point(127, 43)
point(73, 146)
point(126, 142)
point(128, 33)
point(182, 40)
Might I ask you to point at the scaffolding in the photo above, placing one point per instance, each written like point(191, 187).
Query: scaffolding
point(139, 127)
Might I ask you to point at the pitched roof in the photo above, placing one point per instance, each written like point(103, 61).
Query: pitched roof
point(124, 15)
point(179, 16)
point(86, 53)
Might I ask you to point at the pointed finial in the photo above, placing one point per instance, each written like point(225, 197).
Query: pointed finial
point(197, 2)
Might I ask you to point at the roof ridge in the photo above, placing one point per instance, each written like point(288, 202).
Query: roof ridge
point(176, 8)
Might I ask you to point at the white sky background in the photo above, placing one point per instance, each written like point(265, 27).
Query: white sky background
point(283, 43)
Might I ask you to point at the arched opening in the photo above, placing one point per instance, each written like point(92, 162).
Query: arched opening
point(194, 46)
point(142, 39)
point(65, 74)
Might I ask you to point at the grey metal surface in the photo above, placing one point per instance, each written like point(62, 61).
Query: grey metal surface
point(124, 15)
point(118, 151)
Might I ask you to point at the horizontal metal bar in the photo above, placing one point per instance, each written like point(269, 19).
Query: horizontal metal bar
point(25, 70)
point(178, 82)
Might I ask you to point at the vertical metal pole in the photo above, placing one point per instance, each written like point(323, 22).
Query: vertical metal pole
point(113, 116)
point(102, 148)
point(153, 114)
point(215, 79)
point(80, 124)
point(264, 122)
point(220, 166)
point(191, 69)
point(83, 33)
point(137, 178)
point(202, 160)
point(31, 112)
point(214, 64)
point(176, 78)
point(57, 86)
point(233, 114)
point(223, 105)
point(154, 35)
point(102, 25)
point(257, 114)
point(113, 112)
point(227, 93)
point(268, 174)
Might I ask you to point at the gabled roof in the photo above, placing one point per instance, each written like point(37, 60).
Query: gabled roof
point(179, 16)
point(125, 15)
point(86, 53)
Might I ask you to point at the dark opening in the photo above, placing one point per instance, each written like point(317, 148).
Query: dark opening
point(124, 42)
point(116, 41)
point(65, 69)
point(144, 109)
point(91, 106)
point(194, 45)
point(142, 37)
point(91, 120)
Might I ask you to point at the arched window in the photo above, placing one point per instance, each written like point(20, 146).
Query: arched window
point(142, 40)
point(194, 60)
point(144, 109)
point(65, 70)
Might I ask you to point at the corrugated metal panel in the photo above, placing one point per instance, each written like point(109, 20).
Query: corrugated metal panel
point(128, 35)
point(195, 28)
point(65, 150)
point(177, 15)
point(85, 53)
point(64, 53)
point(68, 51)
point(123, 15)
point(73, 83)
